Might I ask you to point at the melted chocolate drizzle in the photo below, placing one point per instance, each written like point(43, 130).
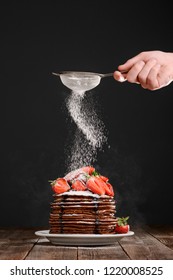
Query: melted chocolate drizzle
point(61, 213)
point(96, 230)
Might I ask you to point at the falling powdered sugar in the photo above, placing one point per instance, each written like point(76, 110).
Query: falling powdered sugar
point(89, 135)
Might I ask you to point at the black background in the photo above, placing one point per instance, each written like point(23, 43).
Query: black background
point(37, 39)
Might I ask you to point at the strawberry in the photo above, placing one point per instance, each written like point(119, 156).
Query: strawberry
point(88, 169)
point(60, 185)
point(103, 181)
point(122, 225)
point(78, 185)
point(82, 177)
point(109, 189)
point(104, 185)
point(94, 185)
point(75, 173)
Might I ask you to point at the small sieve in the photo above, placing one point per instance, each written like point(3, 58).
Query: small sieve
point(81, 81)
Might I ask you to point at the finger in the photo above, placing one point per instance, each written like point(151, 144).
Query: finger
point(143, 74)
point(130, 62)
point(119, 76)
point(132, 75)
point(152, 79)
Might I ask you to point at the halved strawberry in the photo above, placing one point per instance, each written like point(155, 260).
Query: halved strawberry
point(88, 169)
point(72, 175)
point(75, 173)
point(102, 181)
point(105, 186)
point(93, 184)
point(105, 179)
point(82, 177)
point(60, 185)
point(78, 185)
point(109, 189)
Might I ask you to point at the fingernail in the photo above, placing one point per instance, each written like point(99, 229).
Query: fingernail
point(122, 79)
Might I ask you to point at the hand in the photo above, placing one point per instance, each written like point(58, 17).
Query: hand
point(151, 69)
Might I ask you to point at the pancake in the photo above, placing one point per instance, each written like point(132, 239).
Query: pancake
point(82, 212)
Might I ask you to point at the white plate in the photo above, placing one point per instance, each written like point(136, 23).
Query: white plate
point(82, 239)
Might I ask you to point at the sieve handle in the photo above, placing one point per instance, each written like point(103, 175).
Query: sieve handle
point(56, 74)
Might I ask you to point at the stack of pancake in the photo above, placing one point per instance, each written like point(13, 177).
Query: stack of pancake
point(82, 212)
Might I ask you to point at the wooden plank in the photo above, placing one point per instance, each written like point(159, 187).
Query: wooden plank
point(14, 251)
point(16, 244)
point(143, 246)
point(163, 233)
point(44, 250)
point(167, 241)
point(18, 234)
point(113, 252)
point(160, 230)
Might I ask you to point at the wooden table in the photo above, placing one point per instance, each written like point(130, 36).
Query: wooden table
point(151, 242)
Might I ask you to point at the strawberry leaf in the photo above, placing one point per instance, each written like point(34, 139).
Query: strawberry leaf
point(95, 173)
point(123, 221)
point(51, 181)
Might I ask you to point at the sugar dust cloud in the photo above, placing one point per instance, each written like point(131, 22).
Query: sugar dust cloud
point(90, 133)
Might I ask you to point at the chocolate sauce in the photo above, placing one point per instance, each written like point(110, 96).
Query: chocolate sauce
point(96, 230)
point(61, 213)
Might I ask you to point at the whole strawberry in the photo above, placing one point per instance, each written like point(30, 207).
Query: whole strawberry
point(122, 225)
point(60, 185)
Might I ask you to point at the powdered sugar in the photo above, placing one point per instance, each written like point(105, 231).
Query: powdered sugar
point(81, 193)
point(89, 136)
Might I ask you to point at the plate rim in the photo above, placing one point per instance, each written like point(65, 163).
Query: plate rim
point(45, 233)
